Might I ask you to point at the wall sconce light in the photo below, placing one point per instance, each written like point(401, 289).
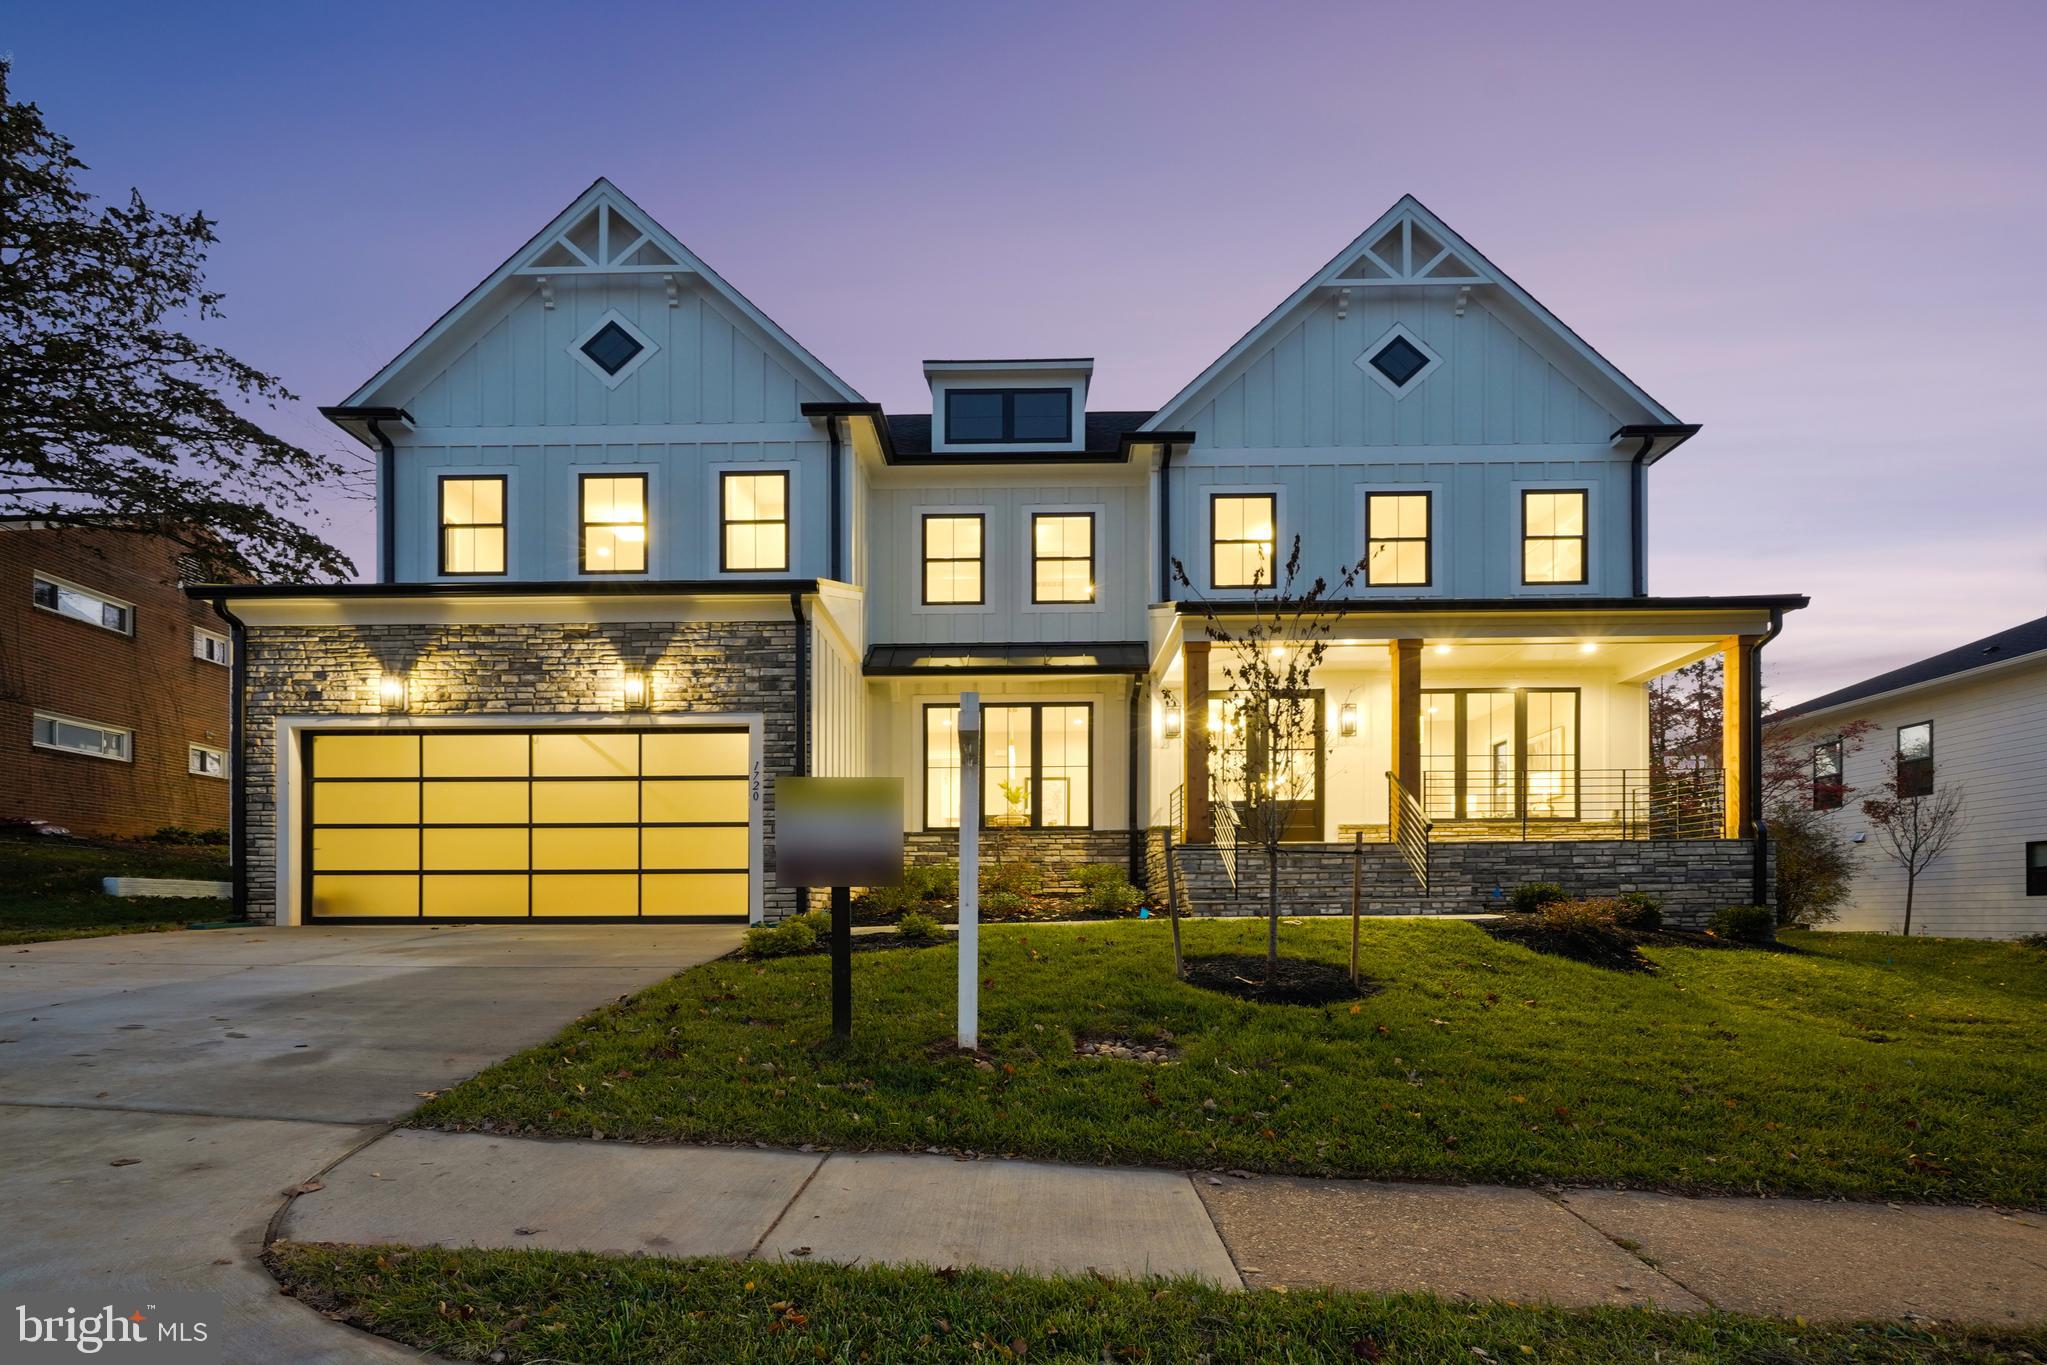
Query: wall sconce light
point(1169, 723)
point(1347, 720)
point(391, 692)
point(635, 690)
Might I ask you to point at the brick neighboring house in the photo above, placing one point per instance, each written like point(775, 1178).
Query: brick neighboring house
point(114, 686)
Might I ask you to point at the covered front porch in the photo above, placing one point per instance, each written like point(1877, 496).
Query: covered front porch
point(1435, 724)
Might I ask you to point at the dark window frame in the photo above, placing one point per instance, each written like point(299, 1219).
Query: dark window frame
point(1008, 436)
point(1272, 559)
point(583, 523)
point(612, 325)
point(502, 525)
point(2036, 871)
point(1584, 539)
point(1396, 340)
point(1037, 776)
point(1094, 593)
point(1427, 538)
point(924, 559)
point(1829, 793)
point(726, 522)
point(1919, 785)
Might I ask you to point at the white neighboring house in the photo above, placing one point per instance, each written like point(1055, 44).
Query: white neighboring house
point(1974, 717)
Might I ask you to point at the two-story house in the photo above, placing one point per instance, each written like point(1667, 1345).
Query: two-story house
point(641, 552)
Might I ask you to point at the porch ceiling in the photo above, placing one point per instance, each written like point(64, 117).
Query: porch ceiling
point(1617, 660)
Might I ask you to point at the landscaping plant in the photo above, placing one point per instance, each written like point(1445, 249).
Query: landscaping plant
point(1105, 889)
point(1532, 896)
point(918, 927)
point(1744, 924)
point(1914, 822)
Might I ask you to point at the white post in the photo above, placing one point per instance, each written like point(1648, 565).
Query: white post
point(970, 869)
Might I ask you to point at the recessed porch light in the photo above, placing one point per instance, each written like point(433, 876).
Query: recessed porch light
point(1442, 649)
point(1589, 647)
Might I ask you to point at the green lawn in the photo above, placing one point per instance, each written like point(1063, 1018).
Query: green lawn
point(50, 888)
point(555, 1306)
point(1854, 1065)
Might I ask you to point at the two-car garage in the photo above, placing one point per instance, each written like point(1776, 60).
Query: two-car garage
point(561, 822)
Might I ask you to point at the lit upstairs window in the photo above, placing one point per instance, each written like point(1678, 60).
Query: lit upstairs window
point(1553, 536)
point(1242, 534)
point(1062, 557)
point(473, 525)
point(614, 523)
point(1396, 540)
point(755, 520)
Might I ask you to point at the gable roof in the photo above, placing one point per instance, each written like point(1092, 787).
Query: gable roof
point(2003, 647)
point(1456, 264)
point(551, 251)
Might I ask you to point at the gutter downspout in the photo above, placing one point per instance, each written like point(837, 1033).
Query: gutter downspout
point(387, 504)
point(802, 685)
point(833, 458)
point(1638, 492)
point(237, 762)
point(1759, 871)
point(1165, 524)
point(1137, 834)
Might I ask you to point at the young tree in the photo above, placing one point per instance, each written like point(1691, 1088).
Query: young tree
point(109, 414)
point(1914, 824)
point(1265, 744)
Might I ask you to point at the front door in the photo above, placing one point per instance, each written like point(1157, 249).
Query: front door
point(1279, 771)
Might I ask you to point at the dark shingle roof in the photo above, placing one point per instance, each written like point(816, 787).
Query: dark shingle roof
point(2015, 643)
point(911, 432)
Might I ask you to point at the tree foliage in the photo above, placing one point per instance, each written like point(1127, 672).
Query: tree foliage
point(1265, 740)
point(110, 414)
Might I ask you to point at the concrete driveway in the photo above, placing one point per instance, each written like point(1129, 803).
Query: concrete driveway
point(220, 1067)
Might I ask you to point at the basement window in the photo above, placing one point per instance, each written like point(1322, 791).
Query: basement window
point(612, 348)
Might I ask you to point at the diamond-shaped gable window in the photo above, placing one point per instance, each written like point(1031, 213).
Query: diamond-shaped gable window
point(613, 348)
point(1400, 360)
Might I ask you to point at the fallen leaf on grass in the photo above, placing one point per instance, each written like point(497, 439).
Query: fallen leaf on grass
point(126, 1161)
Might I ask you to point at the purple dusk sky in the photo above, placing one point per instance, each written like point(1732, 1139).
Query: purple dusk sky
point(1813, 227)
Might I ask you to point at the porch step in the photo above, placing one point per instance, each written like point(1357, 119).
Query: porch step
point(1503, 831)
point(1314, 880)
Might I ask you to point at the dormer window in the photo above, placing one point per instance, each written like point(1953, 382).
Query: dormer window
point(991, 416)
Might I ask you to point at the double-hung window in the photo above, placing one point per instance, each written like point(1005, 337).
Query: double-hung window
point(83, 737)
point(83, 604)
point(954, 550)
point(1826, 775)
point(1035, 760)
point(1243, 531)
point(614, 537)
point(753, 522)
point(1062, 557)
point(472, 524)
point(1397, 540)
point(1915, 759)
point(1553, 535)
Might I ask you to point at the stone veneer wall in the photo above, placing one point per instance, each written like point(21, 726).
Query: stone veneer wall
point(510, 671)
point(1060, 850)
point(1691, 878)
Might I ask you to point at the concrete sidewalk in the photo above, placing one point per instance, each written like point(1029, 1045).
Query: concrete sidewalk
point(1806, 1258)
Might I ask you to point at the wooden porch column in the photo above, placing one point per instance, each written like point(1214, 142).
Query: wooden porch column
point(1194, 736)
point(1737, 734)
point(1405, 660)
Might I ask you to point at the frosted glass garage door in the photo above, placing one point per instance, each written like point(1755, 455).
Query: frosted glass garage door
point(527, 824)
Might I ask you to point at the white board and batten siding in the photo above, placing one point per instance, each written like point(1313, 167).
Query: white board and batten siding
point(510, 397)
point(1500, 413)
point(1990, 739)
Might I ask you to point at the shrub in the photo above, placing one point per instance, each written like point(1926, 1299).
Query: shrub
point(1023, 877)
point(922, 884)
point(178, 834)
point(797, 934)
point(1587, 925)
point(919, 927)
point(1744, 924)
point(1532, 896)
point(1638, 910)
point(1005, 903)
point(1815, 870)
point(1105, 889)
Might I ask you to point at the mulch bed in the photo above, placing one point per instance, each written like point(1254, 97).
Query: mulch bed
point(1619, 949)
point(1298, 981)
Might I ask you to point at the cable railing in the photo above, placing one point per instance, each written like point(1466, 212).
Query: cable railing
point(1409, 830)
point(1223, 815)
point(1480, 802)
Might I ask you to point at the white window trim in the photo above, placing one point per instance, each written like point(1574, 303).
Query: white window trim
point(1028, 572)
point(1590, 587)
point(625, 371)
point(987, 606)
point(127, 756)
point(99, 593)
point(716, 533)
point(200, 635)
point(1363, 361)
point(510, 474)
point(192, 752)
point(1282, 544)
point(291, 778)
point(1439, 540)
point(655, 544)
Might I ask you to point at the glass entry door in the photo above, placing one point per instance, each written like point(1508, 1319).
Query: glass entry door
point(1500, 753)
point(1265, 761)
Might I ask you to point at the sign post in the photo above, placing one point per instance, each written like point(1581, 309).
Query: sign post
point(839, 832)
point(970, 870)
